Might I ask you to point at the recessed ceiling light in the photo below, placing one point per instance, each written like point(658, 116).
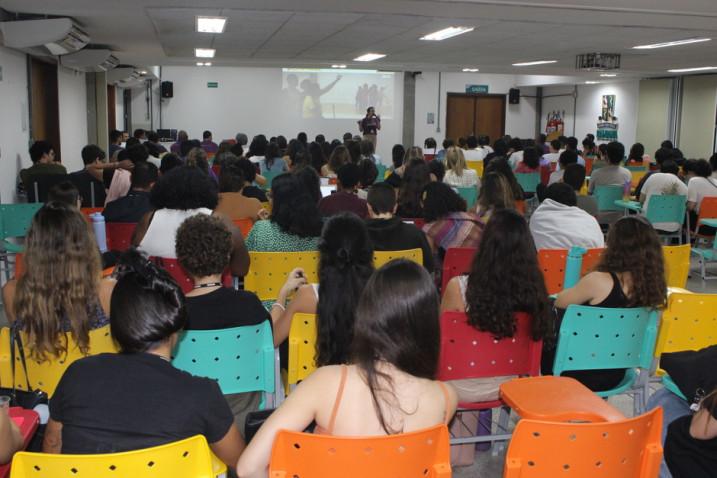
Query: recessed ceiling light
point(204, 52)
point(688, 70)
point(670, 43)
point(338, 66)
point(608, 75)
point(538, 62)
point(447, 33)
point(369, 57)
point(143, 72)
point(204, 63)
point(200, 63)
point(592, 82)
point(470, 70)
point(211, 24)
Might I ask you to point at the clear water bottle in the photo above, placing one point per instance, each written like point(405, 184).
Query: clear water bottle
point(98, 224)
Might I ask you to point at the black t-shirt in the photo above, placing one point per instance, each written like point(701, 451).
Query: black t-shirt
point(688, 457)
point(118, 402)
point(254, 192)
point(86, 184)
point(224, 308)
point(130, 208)
point(395, 235)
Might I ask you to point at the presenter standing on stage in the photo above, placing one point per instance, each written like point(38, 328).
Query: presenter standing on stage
point(370, 125)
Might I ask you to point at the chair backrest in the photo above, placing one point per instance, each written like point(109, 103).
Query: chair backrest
point(119, 235)
point(467, 352)
point(590, 260)
point(381, 170)
point(268, 271)
point(38, 189)
point(588, 165)
point(637, 175)
point(552, 264)
point(520, 207)
point(666, 208)
point(606, 197)
point(16, 218)
point(639, 168)
point(244, 224)
point(469, 194)
point(456, 262)
point(302, 348)
point(269, 176)
point(542, 449)
point(175, 270)
point(708, 210)
point(382, 257)
point(88, 211)
point(424, 453)
point(603, 338)
point(528, 181)
point(188, 458)
point(688, 323)
point(240, 359)
point(476, 166)
point(46, 375)
point(677, 265)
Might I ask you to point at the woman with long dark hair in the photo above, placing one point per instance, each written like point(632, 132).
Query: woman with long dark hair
point(339, 156)
point(389, 386)
point(273, 161)
point(415, 178)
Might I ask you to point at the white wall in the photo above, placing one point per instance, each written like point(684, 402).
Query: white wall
point(653, 121)
point(519, 119)
point(14, 121)
point(697, 127)
point(72, 93)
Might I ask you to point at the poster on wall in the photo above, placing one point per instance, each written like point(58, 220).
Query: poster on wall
point(607, 122)
point(555, 126)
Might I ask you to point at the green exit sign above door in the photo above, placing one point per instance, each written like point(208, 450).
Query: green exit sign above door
point(477, 89)
point(212, 84)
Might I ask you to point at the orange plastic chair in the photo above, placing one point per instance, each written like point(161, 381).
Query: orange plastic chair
point(708, 210)
point(244, 224)
point(119, 235)
point(588, 165)
point(552, 262)
point(590, 260)
point(628, 448)
point(88, 211)
point(424, 453)
point(520, 207)
point(457, 262)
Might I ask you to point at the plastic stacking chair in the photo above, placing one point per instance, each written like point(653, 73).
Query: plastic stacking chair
point(469, 194)
point(476, 166)
point(528, 181)
point(119, 235)
point(544, 449)
point(181, 277)
point(637, 175)
point(88, 211)
point(15, 220)
point(677, 264)
point(189, 458)
point(706, 256)
point(381, 172)
point(552, 264)
point(457, 262)
point(382, 257)
point(244, 224)
point(606, 197)
point(46, 375)
point(708, 210)
point(269, 176)
point(667, 208)
point(268, 271)
point(594, 338)
point(424, 453)
point(239, 359)
point(520, 207)
point(302, 349)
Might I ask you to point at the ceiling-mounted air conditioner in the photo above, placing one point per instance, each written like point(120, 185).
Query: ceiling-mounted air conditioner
point(54, 36)
point(90, 60)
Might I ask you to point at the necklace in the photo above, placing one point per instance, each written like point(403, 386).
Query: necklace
point(208, 284)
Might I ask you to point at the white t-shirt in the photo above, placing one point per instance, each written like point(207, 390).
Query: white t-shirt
point(477, 154)
point(515, 158)
point(698, 188)
point(660, 184)
point(557, 226)
point(552, 157)
point(467, 179)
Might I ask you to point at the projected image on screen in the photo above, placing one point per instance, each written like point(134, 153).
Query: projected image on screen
point(332, 94)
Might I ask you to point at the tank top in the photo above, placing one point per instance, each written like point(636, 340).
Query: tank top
point(159, 239)
point(616, 298)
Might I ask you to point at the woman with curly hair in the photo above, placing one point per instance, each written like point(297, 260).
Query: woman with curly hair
point(415, 178)
point(504, 279)
point(630, 273)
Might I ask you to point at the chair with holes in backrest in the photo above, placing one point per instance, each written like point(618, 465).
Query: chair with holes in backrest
point(677, 264)
point(457, 262)
point(188, 458)
point(244, 224)
point(593, 338)
point(667, 208)
point(239, 359)
point(268, 271)
point(424, 453)
point(302, 349)
point(590, 260)
point(15, 220)
point(45, 375)
point(476, 166)
point(545, 449)
point(706, 255)
point(552, 264)
point(469, 195)
point(528, 181)
point(119, 235)
point(175, 270)
point(606, 197)
point(382, 257)
point(467, 352)
point(708, 210)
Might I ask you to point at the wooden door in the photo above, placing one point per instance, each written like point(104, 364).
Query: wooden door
point(468, 114)
point(111, 108)
point(44, 106)
point(460, 116)
point(490, 116)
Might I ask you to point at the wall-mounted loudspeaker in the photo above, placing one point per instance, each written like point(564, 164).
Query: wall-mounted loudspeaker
point(167, 89)
point(514, 96)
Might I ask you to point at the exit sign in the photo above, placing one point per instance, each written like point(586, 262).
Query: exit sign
point(476, 88)
point(212, 84)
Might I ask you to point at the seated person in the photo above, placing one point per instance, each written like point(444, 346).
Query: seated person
point(203, 246)
point(232, 202)
point(457, 172)
point(136, 399)
point(566, 157)
point(89, 180)
point(387, 231)
point(415, 178)
point(132, 207)
point(249, 173)
point(530, 162)
point(397, 316)
point(122, 179)
point(345, 199)
point(613, 173)
point(666, 182)
point(65, 193)
point(42, 155)
point(559, 224)
point(11, 440)
point(701, 184)
point(574, 176)
point(368, 174)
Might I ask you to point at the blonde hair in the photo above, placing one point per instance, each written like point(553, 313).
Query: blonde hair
point(455, 160)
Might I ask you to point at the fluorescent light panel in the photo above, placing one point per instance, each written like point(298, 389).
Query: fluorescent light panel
point(538, 62)
point(608, 75)
point(338, 66)
point(592, 82)
point(211, 24)
point(671, 43)
point(470, 70)
point(689, 70)
point(204, 52)
point(204, 63)
point(446, 33)
point(369, 57)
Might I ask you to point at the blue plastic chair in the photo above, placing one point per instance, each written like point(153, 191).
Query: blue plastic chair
point(528, 181)
point(606, 197)
point(667, 208)
point(593, 338)
point(470, 194)
point(240, 359)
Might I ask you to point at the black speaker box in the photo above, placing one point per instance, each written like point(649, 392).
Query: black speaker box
point(514, 96)
point(167, 89)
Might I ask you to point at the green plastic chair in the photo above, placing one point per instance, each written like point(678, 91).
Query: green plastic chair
point(593, 338)
point(606, 197)
point(15, 220)
point(528, 181)
point(470, 194)
point(270, 175)
point(667, 208)
point(240, 359)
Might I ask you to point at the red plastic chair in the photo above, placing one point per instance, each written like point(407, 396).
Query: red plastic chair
point(178, 274)
point(119, 235)
point(520, 207)
point(27, 421)
point(457, 262)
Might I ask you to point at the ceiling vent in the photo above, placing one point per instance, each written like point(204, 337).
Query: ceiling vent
point(90, 60)
point(55, 36)
point(597, 62)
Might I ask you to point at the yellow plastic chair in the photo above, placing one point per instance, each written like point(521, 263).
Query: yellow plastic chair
point(382, 257)
point(476, 166)
point(46, 375)
point(302, 349)
point(188, 458)
point(268, 271)
point(677, 264)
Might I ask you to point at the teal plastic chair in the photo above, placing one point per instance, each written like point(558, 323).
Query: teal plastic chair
point(15, 220)
point(240, 359)
point(636, 168)
point(593, 338)
point(667, 208)
point(606, 197)
point(381, 172)
point(270, 175)
point(528, 181)
point(706, 256)
point(470, 194)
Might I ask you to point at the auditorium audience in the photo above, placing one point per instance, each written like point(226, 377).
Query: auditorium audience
point(89, 179)
point(397, 154)
point(415, 178)
point(637, 156)
point(666, 182)
point(133, 206)
point(232, 203)
point(65, 193)
point(345, 199)
point(115, 145)
point(169, 162)
point(249, 174)
point(566, 158)
point(368, 174)
point(501, 166)
point(701, 184)
point(661, 155)
point(553, 154)
point(457, 173)
point(176, 147)
point(310, 179)
point(368, 151)
point(122, 178)
point(530, 162)
point(515, 152)
point(389, 381)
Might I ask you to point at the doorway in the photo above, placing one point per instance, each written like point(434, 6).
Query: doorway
point(476, 114)
point(44, 104)
point(111, 108)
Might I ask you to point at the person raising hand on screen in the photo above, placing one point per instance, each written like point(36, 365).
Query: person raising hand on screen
point(370, 125)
